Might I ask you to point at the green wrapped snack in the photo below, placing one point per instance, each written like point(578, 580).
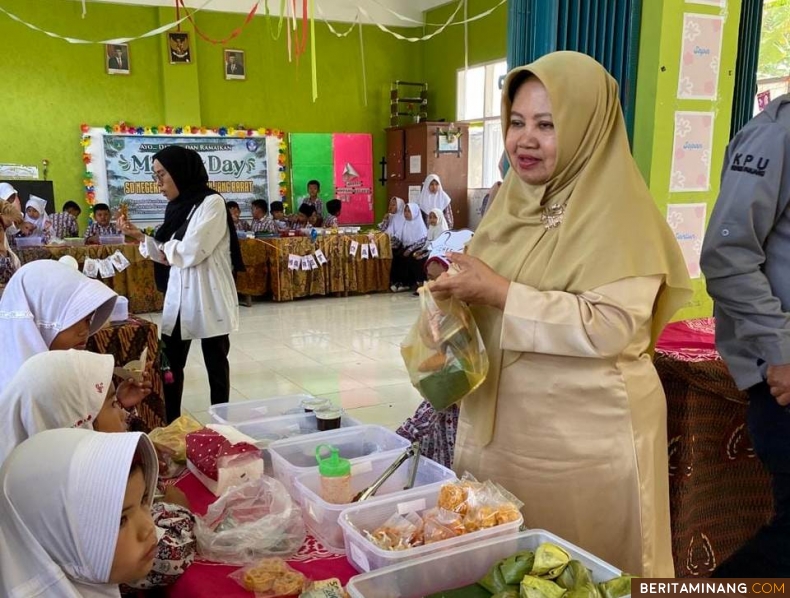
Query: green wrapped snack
point(508, 573)
point(535, 587)
point(574, 576)
point(506, 594)
point(617, 587)
point(584, 590)
point(471, 591)
point(445, 387)
point(550, 561)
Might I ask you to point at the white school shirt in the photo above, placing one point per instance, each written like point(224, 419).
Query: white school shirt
point(201, 286)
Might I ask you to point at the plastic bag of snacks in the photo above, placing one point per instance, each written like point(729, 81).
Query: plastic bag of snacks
point(249, 522)
point(444, 352)
point(326, 588)
point(270, 577)
point(174, 440)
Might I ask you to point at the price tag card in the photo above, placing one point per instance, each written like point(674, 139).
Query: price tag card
point(365, 251)
point(305, 263)
point(353, 250)
point(374, 251)
point(319, 255)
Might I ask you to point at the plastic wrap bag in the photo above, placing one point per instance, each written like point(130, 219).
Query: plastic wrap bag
point(270, 578)
point(249, 522)
point(444, 352)
point(174, 440)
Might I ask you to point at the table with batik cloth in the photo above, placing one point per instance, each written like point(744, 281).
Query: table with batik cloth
point(136, 282)
point(719, 491)
point(125, 341)
point(210, 580)
point(266, 261)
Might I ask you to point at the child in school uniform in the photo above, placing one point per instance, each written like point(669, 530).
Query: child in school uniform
point(436, 226)
point(101, 226)
point(64, 224)
point(302, 218)
point(412, 238)
point(392, 224)
point(432, 195)
point(235, 214)
point(262, 221)
point(75, 514)
point(78, 392)
point(312, 199)
point(333, 207)
point(278, 214)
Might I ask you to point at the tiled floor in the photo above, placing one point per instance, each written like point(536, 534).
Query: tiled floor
point(346, 349)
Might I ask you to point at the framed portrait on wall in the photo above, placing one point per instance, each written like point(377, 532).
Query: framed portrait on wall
point(235, 67)
point(178, 47)
point(116, 59)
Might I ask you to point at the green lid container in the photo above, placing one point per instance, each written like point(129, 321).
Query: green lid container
point(333, 466)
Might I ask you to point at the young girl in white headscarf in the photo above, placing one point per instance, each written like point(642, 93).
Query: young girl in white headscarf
point(75, 514)
point(432, 196)
point(36, 214)
point(46, 306)
point(437, 224)
point(412, 239)
point(77, 392)
point(392, 224)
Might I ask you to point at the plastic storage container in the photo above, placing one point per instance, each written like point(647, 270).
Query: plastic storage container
point(112, 239)
point(463, 566)
point(322, 518)
point(296, 456)
point(365, 556)
point(251, 411)
point(23, 242)
point(266, 431)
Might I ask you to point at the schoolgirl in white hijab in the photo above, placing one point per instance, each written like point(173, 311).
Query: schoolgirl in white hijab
point(48, 305)
point(414, 230)
point(393, 221)
point(75, 514)
point(434, 230)
point(75, 392)
point(41, 221)
point(432, 196)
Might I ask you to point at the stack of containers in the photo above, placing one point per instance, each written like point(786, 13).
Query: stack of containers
point(463, 566)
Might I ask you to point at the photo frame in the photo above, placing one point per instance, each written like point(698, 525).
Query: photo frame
point(116, 59)
point(448, 141)
point(179, 48)
point(234, 64)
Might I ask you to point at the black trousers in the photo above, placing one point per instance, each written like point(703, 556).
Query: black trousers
point(767, 554)
point(215, 356)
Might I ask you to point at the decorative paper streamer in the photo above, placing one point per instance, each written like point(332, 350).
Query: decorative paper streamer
point(283, 18)
point(117, 40)
point(364, 70)
point(233, 34)
point(312, 50)
point(482, 15)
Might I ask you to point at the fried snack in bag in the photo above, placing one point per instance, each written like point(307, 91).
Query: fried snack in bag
point(174, 439)
point(444, 352)
point(270, 578)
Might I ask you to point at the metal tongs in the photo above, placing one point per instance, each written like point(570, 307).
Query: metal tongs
point(413, 452)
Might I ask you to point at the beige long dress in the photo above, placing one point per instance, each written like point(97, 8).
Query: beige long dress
point(580, 429)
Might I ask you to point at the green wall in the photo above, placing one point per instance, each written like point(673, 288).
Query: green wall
point(656, 103)
point(51, 87)
point(443, 55)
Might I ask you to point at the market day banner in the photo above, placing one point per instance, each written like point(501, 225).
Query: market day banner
point(343, 164)
point(240, 168)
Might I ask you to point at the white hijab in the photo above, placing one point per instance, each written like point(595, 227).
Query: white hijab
point(43, 298)
point(440, 227)
point(55, 389)
point(428, 201)
point(414, 230)
point(40, 205)
point(61, 497)
point(396, 220)
point(6, 191)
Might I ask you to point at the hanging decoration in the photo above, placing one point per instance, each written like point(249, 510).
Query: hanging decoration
point(124, 128)
point(233, 34)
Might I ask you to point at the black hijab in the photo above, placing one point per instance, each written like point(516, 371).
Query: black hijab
point(186, 169)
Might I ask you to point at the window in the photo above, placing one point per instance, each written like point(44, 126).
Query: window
point(479, 104)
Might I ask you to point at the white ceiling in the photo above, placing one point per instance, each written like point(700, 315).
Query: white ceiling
point(335, 10)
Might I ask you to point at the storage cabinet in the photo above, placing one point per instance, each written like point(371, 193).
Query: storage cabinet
point(417, 150)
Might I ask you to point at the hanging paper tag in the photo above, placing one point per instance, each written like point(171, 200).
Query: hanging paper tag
point(90, 267)
point(353, 250)
point(105, 268)
point(319, 255)
point(305, 263)
point(374, 251)
point(365, 250)
point(293, 262)
point(119, 261)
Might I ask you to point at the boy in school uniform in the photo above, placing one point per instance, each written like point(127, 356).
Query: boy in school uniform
point(334, 207)
point(278, 214)
point(235, 214)
point(312, 199)
point(64, 224)
point(302, 218)
point(262, 221)
point(101, 225)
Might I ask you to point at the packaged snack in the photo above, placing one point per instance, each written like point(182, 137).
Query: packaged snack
point(270, 578)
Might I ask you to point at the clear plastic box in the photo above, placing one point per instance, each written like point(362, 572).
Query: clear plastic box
point(293, 457)
point(462, 566)
point(365, 556)
point(322, 517)
point(23, 242)
point(266, 431)
point(243, 412)
point(112, 239)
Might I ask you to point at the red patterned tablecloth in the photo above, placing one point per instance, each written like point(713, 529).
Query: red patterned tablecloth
point(210, 580)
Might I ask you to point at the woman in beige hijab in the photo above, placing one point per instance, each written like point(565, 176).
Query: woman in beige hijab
point(571, 275)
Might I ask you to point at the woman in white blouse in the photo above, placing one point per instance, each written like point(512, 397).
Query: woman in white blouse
point(196, 251)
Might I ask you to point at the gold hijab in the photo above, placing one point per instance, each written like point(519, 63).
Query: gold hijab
point(611, 228)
